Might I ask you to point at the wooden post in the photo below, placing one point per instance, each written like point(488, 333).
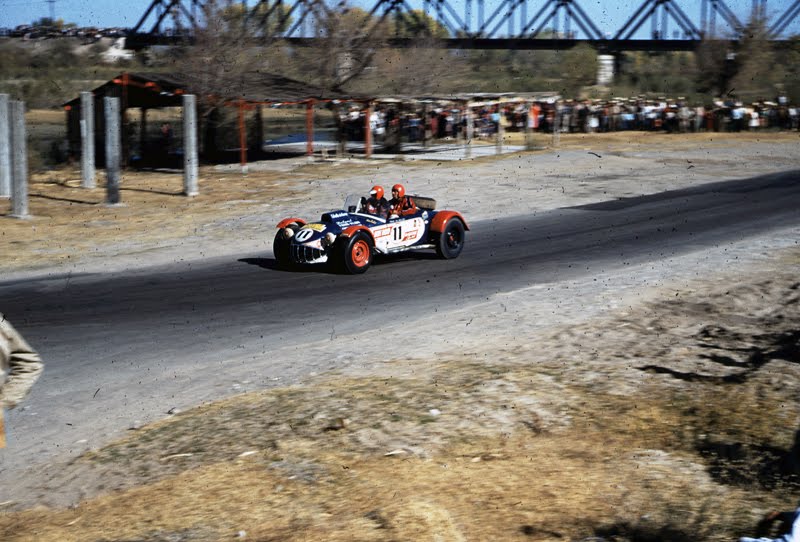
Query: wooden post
point(310, 128)
point(499, 140)
point(242, 138)
point(426, 126)
point(469, 133)
point(556, 122)
point(259, 131)
point(143, 133)
point(527, 127)
point(125, 148)
point(368, 131)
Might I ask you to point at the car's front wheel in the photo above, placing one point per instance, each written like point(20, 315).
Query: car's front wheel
point(451, 240)
point(355, 253)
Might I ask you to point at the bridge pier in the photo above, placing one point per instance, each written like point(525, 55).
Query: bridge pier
point(606, 69)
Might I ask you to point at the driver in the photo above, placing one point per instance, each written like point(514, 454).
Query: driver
point(400, 204)
point(376, 204)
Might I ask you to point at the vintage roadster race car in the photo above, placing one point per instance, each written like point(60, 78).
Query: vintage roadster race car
point(348, 239)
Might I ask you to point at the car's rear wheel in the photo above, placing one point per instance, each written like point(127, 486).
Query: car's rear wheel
point(281, 248)
point(451, 241)
point(355, 254)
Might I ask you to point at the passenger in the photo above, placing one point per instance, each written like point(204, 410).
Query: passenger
point(400, 204)
point(376, 204)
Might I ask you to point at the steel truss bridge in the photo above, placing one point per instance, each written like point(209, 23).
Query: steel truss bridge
point(473, 24)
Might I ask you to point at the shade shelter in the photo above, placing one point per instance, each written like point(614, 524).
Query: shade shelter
point(145, 143)
point(141, 91)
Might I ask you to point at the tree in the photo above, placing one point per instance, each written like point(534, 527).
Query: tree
point(225, 60)
point(418, 24)
point(425, 68)
point(714, 67)
point(788, 58)
point(350, 38)
point(579, 69)
point(756, 73)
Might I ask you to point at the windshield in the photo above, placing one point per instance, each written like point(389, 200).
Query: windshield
point(352, 203)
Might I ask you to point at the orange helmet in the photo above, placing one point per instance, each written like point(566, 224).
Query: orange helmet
point(400, 189)
point(376, 191)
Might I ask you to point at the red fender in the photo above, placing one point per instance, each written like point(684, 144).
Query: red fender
point(441, 218)
point(286, 221)
point(349, 232)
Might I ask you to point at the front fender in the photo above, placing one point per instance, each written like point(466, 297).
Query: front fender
point(286, 221)
point(441, 218)
point(352, 230)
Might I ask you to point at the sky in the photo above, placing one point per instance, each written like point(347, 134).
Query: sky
point(608, 16)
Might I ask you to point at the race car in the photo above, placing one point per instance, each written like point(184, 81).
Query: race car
point(348, 239)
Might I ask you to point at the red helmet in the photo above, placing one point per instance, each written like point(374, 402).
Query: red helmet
point(400, 189)
point(376, 191)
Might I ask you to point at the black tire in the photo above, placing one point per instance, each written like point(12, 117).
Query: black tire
point(354, 255)
point(451, 241)
point(281, 248)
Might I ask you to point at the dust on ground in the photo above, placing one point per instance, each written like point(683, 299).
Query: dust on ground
point(672, 414)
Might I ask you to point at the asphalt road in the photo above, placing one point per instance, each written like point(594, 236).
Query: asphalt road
point(132, 345)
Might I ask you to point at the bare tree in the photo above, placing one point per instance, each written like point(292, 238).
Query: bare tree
point(756, 72)
point(349, 39)
point(226, 59)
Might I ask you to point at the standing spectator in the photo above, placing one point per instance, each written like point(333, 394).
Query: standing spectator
point(20, 366)
point(167, 135)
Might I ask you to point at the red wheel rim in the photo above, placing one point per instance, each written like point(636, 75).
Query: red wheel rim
point(360, 253)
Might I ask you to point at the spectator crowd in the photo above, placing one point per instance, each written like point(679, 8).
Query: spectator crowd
point(416, 122)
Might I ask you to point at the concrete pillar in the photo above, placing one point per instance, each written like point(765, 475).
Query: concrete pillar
point(605, 69)
point(190, 145)
point(19, 160)
point(87, 140)
point(5, 147)
point(113, 149)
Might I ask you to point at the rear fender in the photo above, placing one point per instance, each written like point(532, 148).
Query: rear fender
point(352, 230)
point(441, 218)
point(286, 221)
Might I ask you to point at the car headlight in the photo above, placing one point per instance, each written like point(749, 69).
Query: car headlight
point(288, 233)
point(328, 239)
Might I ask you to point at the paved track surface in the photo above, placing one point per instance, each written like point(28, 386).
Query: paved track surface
point(132, 345)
